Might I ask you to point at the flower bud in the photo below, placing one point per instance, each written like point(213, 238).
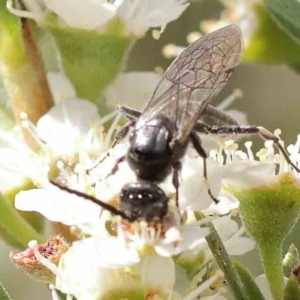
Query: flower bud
point(52, 250)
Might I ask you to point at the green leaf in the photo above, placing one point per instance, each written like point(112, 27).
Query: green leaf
point(269, 43)
point(15, 225)
point(3, 293)
point(34, 219)
point(292, 291)
point(9, 239)
point(251, 288)
point(286, 13)
point(11, 48)
point(91, 59)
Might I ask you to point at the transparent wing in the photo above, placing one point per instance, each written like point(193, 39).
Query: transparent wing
point(194, 77)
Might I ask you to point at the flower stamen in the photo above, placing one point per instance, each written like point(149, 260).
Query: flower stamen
point(37, 16)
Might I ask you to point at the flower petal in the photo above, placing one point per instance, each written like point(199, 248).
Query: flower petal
point(88, 14)
point(81, 272)
point(157, 273)
point(18, 162)
point(227, 202)
point(225, 227)
point(139, 15)
point(60, 86)
point(248, 174)
point(67, 124)
point(58, 206)
point(192, 235)
point(193, 191)
point(126, 90)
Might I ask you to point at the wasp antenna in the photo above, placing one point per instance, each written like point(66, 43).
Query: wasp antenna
point(104, 205)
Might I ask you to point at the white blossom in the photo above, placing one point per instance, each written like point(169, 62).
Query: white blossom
point(137, 15)
point(18, 162)
point(134, 252)
point(58, 206)
point(72, 126)
point(243, 171)
point(60, 86)
point(65, 126)
point(232, 237)
point(131, 89)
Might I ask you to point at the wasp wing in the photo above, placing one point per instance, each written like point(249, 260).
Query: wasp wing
point(194, 77)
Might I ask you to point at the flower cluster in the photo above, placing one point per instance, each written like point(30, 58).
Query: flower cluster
point(109, 245)
point(138, 16)
point(129, 258)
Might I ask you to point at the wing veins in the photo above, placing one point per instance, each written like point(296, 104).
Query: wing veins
point(196, 76)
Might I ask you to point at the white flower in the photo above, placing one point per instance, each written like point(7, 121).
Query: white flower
point(91, 269)
point(58, 206)
point(70, 127)
point(131, 88)
point(81, 273)
point(138, 15)
point(18, 162)
point(243, 171)
point(157, 273)
point(66, 126)
point(176, 239)
point(60, 86)
point(231, 235)
point(88, 14)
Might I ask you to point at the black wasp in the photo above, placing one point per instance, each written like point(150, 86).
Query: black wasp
point(177, 111)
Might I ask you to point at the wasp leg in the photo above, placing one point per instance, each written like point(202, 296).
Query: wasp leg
point(176, 169)
point(129, 113)
point(120, 135)
point(195, 139)
point(104, 205)
point(265, 134)
point(116, 167)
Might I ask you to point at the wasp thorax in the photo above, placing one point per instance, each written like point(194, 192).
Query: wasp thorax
point(150, 154)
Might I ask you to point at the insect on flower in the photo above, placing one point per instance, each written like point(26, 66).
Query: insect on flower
point(176, 113)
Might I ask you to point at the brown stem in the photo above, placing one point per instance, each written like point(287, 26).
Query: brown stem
point(27, 83)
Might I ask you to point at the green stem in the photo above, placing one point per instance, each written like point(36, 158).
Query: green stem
point(16, 225)
point(219, 252)
point(3, 293)
point(272, 261)
point(251, 287)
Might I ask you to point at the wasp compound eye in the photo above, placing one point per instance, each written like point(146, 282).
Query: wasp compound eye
point(143, 200)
